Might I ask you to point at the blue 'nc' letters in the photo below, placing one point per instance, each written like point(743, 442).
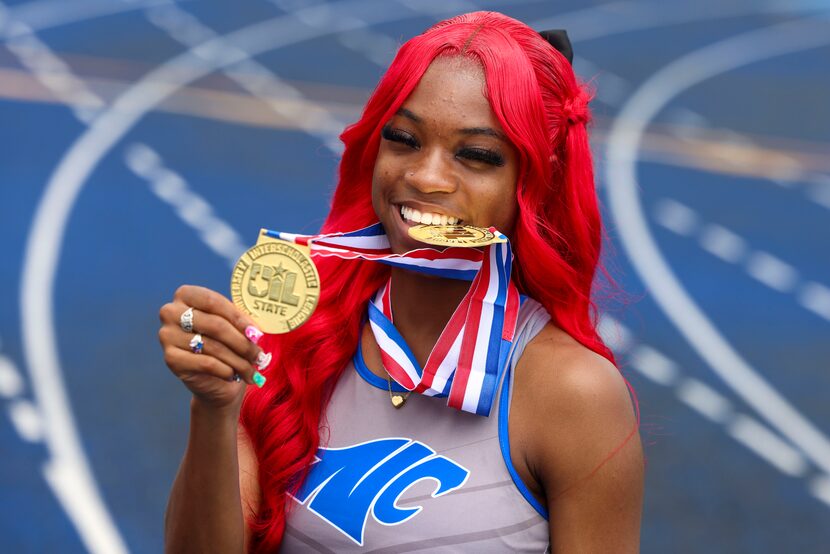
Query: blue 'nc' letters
point(346, 484)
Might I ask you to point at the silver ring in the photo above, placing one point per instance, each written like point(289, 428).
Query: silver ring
point(197, 344)
point(186, 321)
point(236, 378)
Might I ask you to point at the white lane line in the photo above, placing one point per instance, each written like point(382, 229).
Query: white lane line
point(676, 217)
point(772, 271)
point(616, 337)
point(654, 365)
point(26, 419)
point(189, 205)
point(766, 444)
point(816, 298)
point(819, 192)
point(11, 383)
point(820, 488)
point(704, 400)
point(314, 119)
point(723, 243)
point(22, 413)
point(629, 219)
point(727, 245)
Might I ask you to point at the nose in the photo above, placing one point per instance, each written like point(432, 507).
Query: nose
point(432, 172)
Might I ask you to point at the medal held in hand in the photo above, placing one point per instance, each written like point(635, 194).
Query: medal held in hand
point(456, 235)
point(489, 311)
point(276, 283)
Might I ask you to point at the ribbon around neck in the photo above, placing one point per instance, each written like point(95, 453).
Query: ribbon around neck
point(469, 358)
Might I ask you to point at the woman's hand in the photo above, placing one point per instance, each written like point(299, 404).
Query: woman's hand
point(229, 339)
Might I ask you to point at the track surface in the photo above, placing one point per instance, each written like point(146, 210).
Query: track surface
point(145, 142)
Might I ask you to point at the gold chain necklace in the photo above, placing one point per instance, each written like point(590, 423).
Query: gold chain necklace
point(397, 398)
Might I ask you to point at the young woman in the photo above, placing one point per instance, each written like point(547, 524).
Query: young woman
point(480, 121)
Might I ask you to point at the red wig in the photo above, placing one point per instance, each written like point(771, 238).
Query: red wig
point(542, 108)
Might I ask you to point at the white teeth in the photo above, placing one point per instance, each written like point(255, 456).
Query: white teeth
point(427, 218)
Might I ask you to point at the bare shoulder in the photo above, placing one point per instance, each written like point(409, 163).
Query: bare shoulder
point(568, 379)
point(573, 428)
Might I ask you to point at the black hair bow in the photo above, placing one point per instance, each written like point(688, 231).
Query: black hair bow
point(558, 38)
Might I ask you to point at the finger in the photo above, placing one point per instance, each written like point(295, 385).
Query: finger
point(174, 311)
point(212, 347)
point(221, 329)
point(182, 362)
point(187, 375)
point(216, 327)
point(209, 301)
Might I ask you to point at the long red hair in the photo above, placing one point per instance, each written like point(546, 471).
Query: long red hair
point(542, 108)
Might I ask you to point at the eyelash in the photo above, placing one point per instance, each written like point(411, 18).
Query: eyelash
point(474, 154)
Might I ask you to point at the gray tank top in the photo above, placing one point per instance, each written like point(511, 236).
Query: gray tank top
point(426, 477)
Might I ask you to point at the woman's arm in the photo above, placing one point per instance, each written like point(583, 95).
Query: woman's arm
point(204, 513)
point(582, 447)
point(205, 509)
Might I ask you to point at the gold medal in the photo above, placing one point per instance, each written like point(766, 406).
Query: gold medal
point(454, 235)
point(276, 283)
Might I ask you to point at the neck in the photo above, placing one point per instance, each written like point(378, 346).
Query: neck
point(421, 307)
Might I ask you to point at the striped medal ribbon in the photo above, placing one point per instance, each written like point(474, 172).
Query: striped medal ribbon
point(468, 359)
point(371, 243)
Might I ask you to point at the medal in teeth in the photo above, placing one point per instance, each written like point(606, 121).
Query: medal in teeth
point(444, 230)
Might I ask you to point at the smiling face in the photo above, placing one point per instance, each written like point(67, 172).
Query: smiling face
point(444, 155)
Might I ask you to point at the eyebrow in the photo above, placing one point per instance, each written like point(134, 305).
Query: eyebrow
point(467, 131)
point(483, 131)
point(409, 115)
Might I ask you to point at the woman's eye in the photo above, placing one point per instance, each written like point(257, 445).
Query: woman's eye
point(482, 155)
point(396, 135)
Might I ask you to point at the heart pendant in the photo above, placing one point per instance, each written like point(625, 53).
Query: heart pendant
point(398, 400)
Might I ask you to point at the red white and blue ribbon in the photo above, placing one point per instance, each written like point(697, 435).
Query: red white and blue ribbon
point(469, 357)
point(371, 243)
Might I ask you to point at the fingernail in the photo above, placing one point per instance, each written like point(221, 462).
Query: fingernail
point(259, 379)
point(253, 334)
point(262, 360)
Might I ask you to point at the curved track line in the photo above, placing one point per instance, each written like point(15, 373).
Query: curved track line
point(624, 141)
